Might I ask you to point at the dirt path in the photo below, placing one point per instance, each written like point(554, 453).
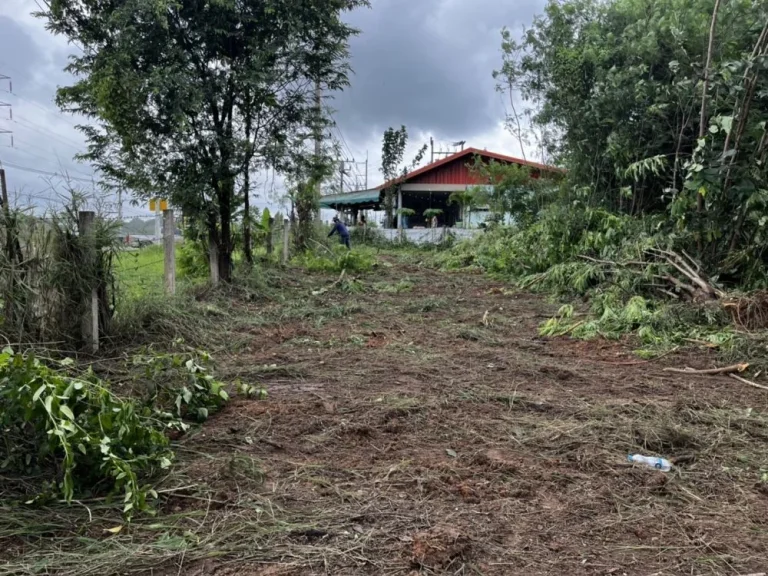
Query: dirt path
point(405, 435)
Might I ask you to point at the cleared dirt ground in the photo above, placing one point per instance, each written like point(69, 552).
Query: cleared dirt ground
point(421, 426)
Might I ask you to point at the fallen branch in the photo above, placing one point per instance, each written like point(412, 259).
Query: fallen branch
point(324, 247)
point(324, 290)
point(748, 382)
point(710, 371)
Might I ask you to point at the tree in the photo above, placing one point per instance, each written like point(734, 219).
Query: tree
point(392, 150)
point(190, 95)
point(393, 147)
point(466, 199)
point(660, 106)
point(511, 190)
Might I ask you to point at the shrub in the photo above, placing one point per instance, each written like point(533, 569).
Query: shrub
point(337, 260)
point(192, 259)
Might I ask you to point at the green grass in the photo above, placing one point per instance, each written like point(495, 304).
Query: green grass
point(140, 272)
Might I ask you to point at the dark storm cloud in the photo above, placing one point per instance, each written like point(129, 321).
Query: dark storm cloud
point(427, 64)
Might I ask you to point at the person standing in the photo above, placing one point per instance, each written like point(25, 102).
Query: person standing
point(342, 230)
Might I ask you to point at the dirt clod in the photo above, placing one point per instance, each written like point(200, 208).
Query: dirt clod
point(438, 547)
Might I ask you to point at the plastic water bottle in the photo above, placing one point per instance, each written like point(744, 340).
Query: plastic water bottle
point(652, 461)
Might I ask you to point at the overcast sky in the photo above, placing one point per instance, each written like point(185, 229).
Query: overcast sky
point(426, 64)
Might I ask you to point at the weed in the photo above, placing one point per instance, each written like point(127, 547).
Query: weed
point(403, 285)
point(426, 305)
point(336, 260)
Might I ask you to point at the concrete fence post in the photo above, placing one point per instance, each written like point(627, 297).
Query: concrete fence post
point(89, 327)
point(169, 245)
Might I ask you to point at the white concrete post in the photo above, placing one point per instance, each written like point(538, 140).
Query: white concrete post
point(286, 239)
point(169, 244)
point(89, 327)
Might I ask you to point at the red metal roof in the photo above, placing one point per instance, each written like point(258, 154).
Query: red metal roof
point(452, 170)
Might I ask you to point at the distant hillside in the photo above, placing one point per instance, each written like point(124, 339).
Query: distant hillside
point(138, 226)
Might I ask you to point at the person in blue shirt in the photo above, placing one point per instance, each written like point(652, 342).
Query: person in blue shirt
point(338, 226)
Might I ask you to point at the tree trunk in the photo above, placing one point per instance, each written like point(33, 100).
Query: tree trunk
point(247, 248)
point(225, 241)
point(705, 89)
point(213, 247)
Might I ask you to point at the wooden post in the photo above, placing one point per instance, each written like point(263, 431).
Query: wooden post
point(286, 239)
point(89, 327)
point(169, 243)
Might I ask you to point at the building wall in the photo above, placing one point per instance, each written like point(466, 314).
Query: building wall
point(454, 172)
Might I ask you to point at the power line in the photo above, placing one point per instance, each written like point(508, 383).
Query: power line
point(24, 123)
point(47, 159)
point(51, 111)
point(46, 173)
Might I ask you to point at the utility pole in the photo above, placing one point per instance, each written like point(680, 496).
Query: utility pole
point(10, 244)
point(431, 149)
point(366, 169)
point(341, 176)
point(4, 78)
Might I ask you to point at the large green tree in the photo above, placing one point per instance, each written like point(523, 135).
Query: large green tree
point(189, 95)
point(654, 106)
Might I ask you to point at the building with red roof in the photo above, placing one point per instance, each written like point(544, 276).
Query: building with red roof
point(430, 187)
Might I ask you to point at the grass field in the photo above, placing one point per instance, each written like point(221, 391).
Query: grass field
point(416, 423)
point(140, 272)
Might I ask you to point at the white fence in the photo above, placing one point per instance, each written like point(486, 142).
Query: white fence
point(428, 235)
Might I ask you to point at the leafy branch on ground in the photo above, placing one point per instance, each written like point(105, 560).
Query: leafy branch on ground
point(72, 435)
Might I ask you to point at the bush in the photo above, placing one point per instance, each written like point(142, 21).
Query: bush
point(565, 251)
point(336, 260)
point(368, 236)
point(192, 259)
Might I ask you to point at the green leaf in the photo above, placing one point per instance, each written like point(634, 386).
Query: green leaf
point(48, 404)
point(67, 411)
point(38, 393)
point(67, 362)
